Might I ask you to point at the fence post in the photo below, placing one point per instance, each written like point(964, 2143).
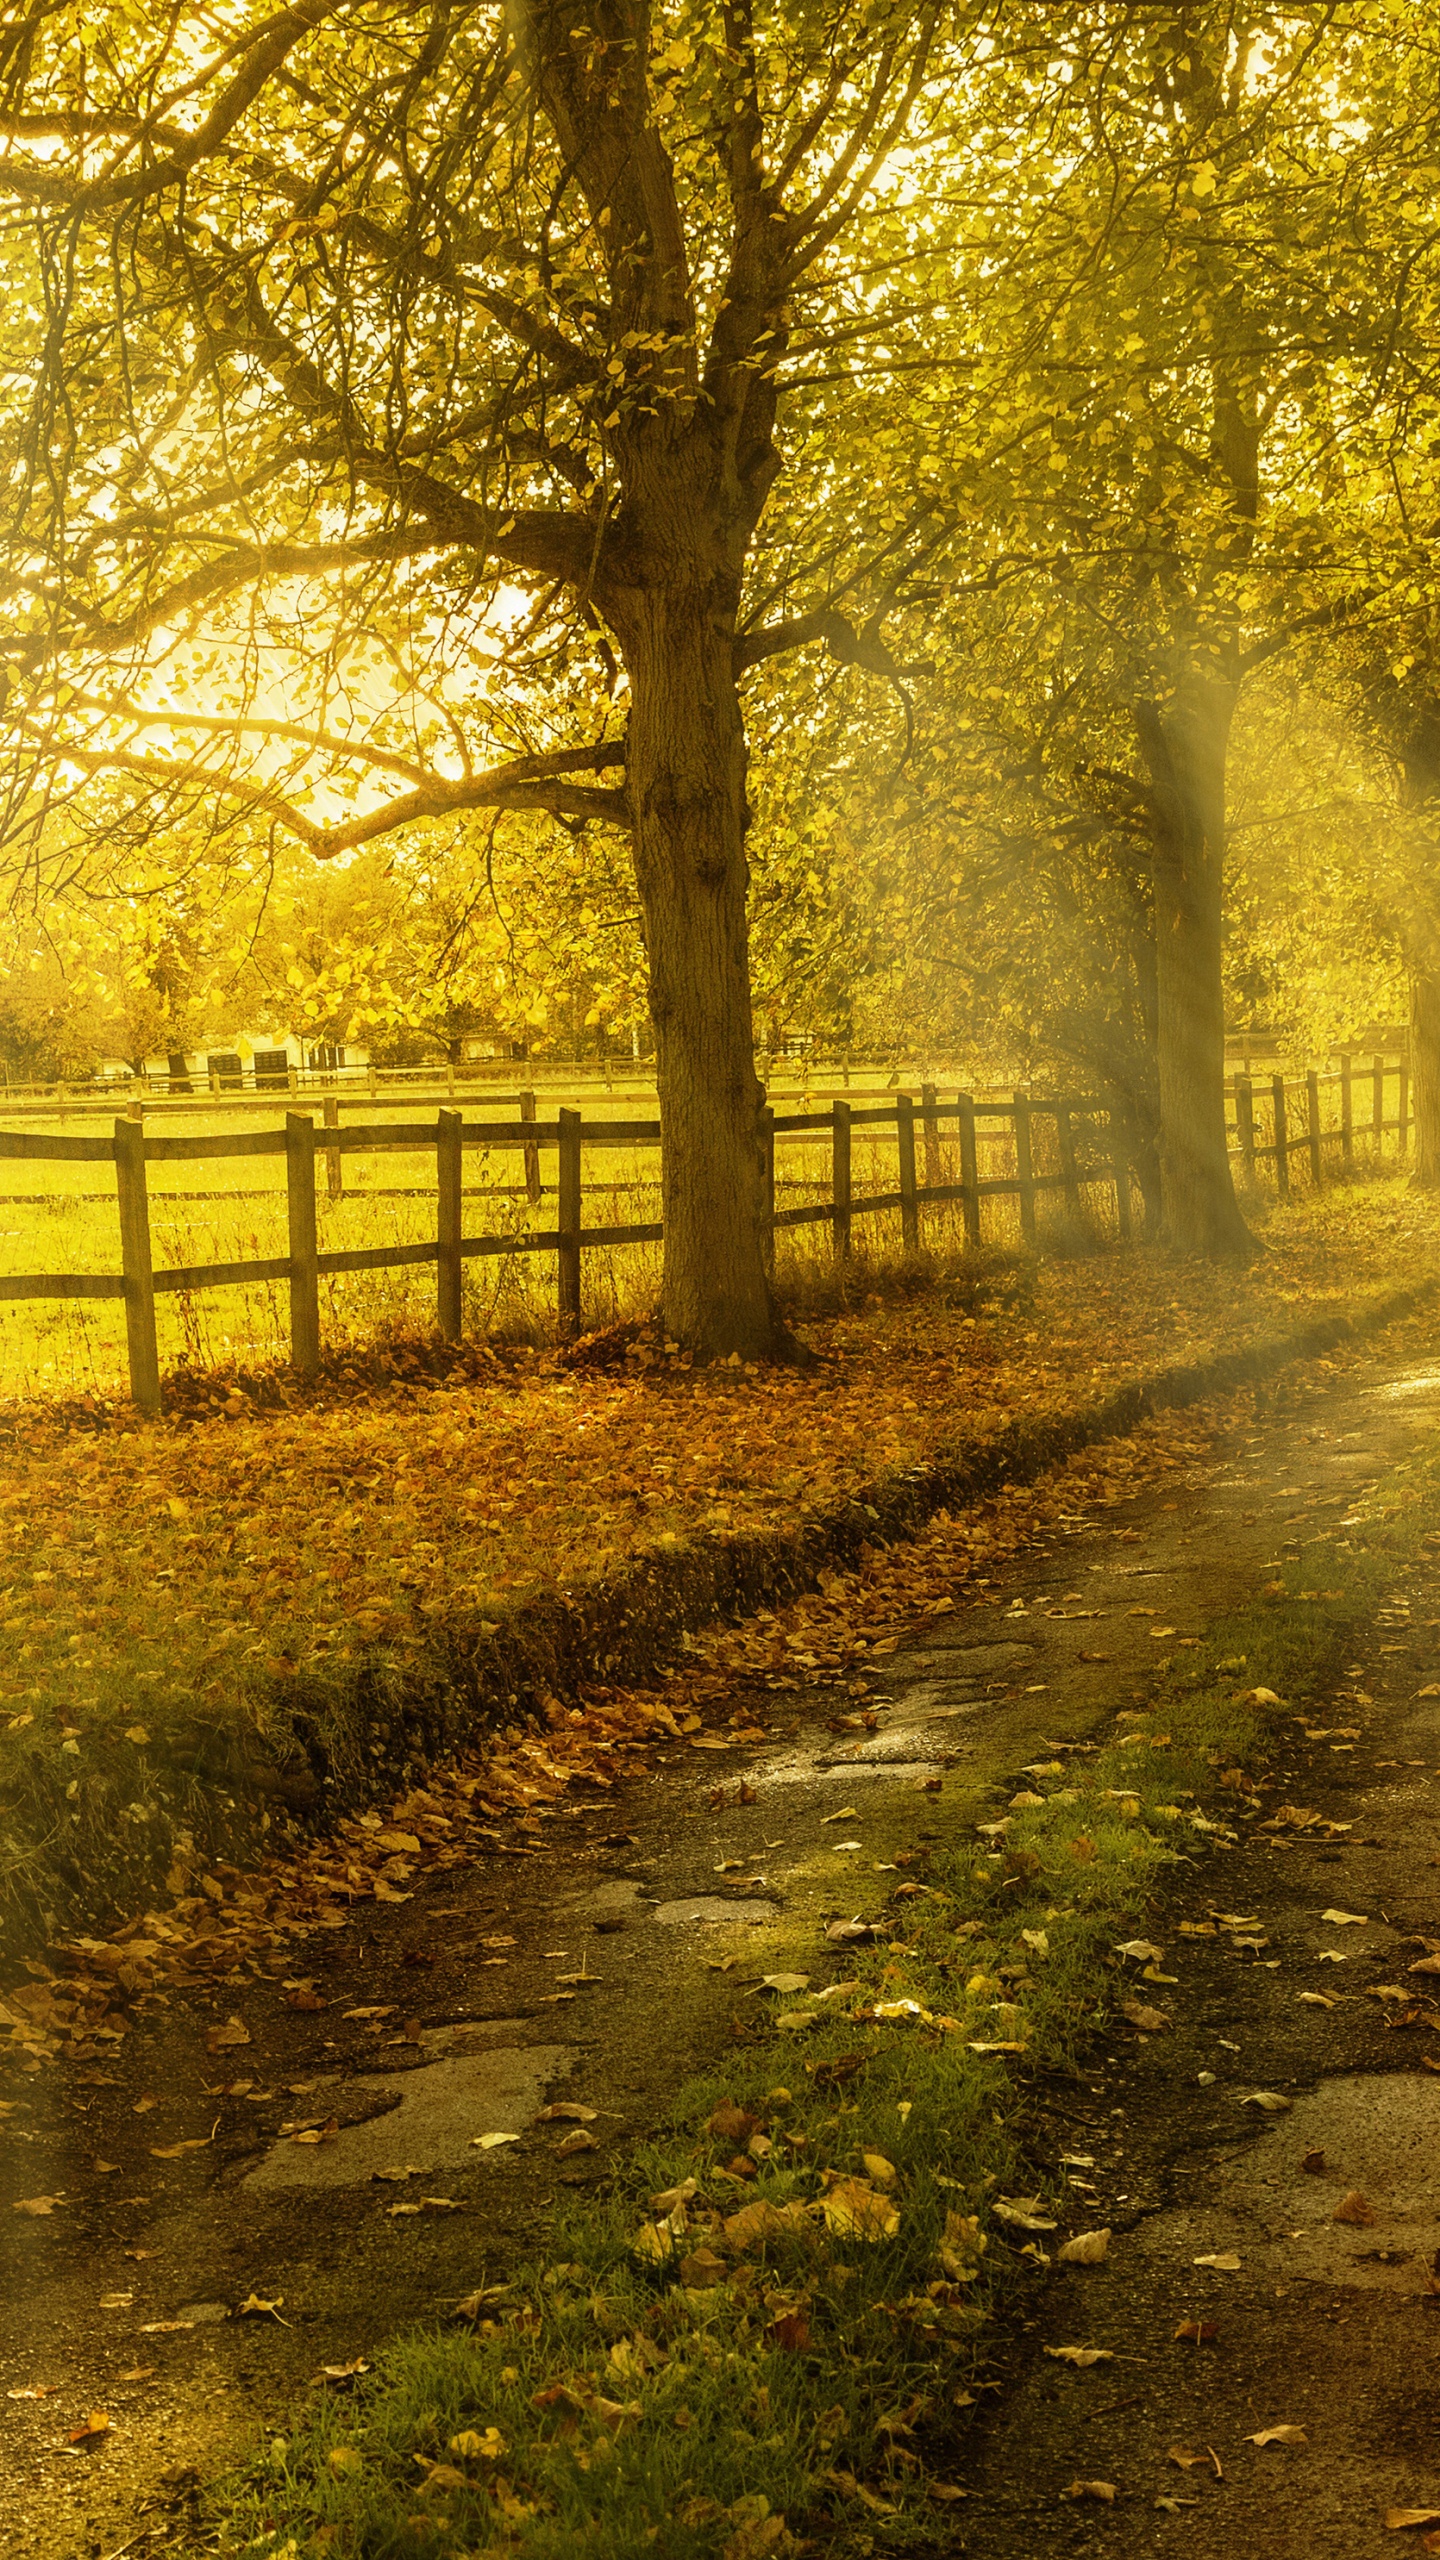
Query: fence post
point(1120, 1176)
point(568, 1252)
point(449, 1225)
point(531, 1153)
point(292, 1079)
point(909, 1204)
point(134, 1205)
point(1402, 1108)
point(1024, 1162)
point(334, 1179)
point(934, 1170)
point(374, 1083)
point(304, 1244)
point(840, 1178)
point(1312, 1105)
point(1347, 1112)
point(1378, 1113)
point(969, 1168)
point(767, 1141)
point(1282, 1137)
point(1069, 1171)
point(1245, 1126)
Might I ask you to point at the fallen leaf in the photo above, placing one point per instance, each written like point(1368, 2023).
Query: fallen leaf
point(701, 2269)
point(1082, 2355)
point(1190, 2457)
point(255, 2307)
point(855, 2210)
point(1086, 2249)
point(563, 2111)
point(36, 2206)
point(220, 2039)
point(1198, 2333)
point(471, 2446)
point(1355, 2208)
point(755, 2224)
point(491, 2141)
point(579, 2140)
point(1279, 2435)
point(847, 1813)
point(1346, 1919)
point(1150, 2022)
point(1268, 2101)
point(1314, 2164)
point(1022, 2212)
point(1226, 2264)
point(95, 2426)
point(784, 1982)
point(1401, 2519)
point(1141, 1950)
point(1103, 2490)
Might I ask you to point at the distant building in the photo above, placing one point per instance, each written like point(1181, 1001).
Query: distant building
point(248, 1061)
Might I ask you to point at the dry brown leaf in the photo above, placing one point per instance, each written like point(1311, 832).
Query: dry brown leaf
point(1087, 2249)
point(221, 2039)
point(855, 2210)
point(1278, 2435)
point(1404, 2519)
point(95, 2426)
point(1226, 2263)
point(1356, 2208)
point(1103, 2490)
point(1082, 2356)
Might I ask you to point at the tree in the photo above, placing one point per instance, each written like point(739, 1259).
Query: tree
point(1225, 277)
point(403, 369)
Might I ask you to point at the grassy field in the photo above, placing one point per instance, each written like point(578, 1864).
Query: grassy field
point(62, 1217)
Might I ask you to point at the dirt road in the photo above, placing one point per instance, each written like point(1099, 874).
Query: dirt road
point(609, 1966)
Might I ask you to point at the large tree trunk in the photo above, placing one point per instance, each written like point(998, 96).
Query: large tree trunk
point(1184, 743)
point(1425, 1074)
point(685, 772)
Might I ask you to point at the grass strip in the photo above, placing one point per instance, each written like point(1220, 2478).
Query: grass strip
point(765, 2336)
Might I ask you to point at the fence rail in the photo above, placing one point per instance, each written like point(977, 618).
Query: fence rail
point(1061, 1147)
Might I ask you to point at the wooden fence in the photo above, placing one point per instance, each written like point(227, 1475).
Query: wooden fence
point(1061, 1146)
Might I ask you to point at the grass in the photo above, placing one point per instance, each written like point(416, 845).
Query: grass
point(673, 2379)
point(63, 1218)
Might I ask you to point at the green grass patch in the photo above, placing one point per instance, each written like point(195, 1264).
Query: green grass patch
point(767, 2332)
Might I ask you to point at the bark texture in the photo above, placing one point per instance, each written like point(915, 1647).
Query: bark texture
point(686, 781)
point(1425, 1074)
point(1184, 743)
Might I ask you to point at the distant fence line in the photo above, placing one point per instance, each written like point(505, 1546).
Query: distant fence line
point(1081, 1149)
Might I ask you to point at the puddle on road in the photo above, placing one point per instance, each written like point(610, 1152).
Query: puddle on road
point(712, 1910)
point(974, 1657)
point(443, 2107)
